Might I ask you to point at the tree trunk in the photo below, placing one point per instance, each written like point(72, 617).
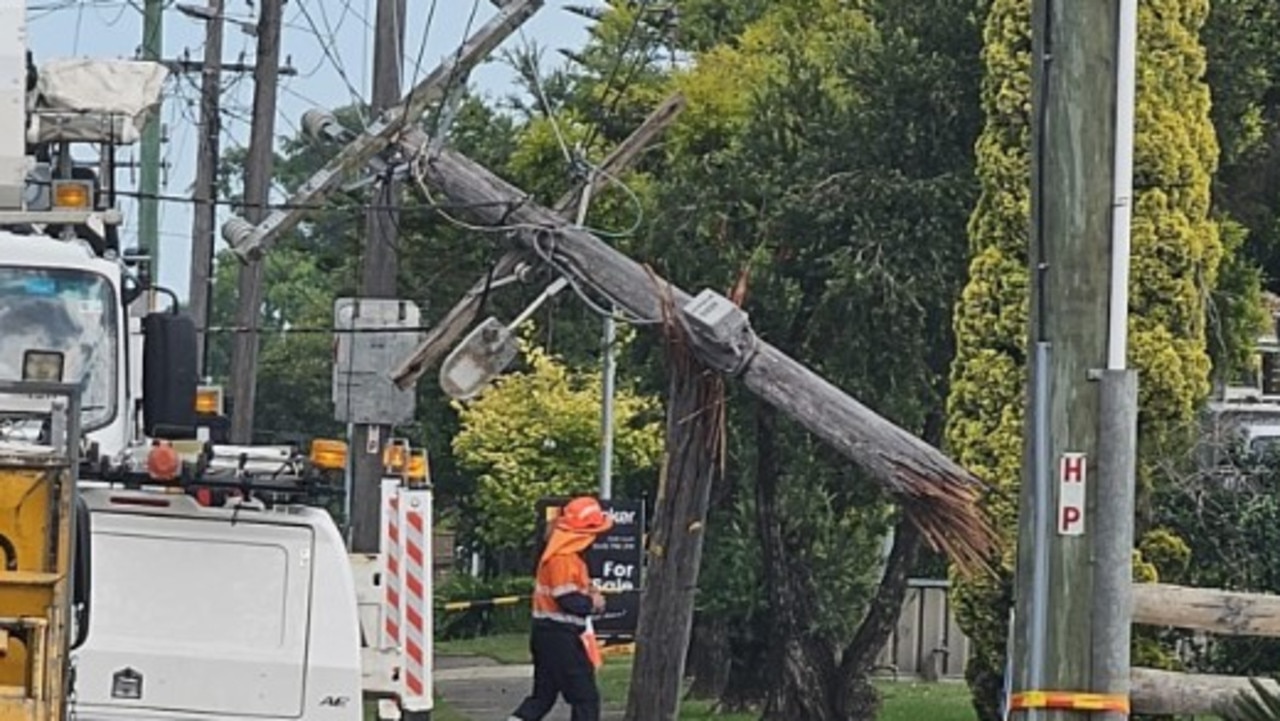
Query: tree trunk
point(716, 659)
point(809, 682)
point(695, 438)
point(856, 698)
point(803, 662)
point(710, 657)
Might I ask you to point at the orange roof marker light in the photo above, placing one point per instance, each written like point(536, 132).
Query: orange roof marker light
point(72, 194)
point(328, 455)
point(395, 457)
point(209, 400)
point(418, 469)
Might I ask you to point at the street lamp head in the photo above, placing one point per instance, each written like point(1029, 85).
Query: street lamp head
point(323, 127)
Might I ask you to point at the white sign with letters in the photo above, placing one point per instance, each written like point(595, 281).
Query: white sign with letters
point(1072, 472)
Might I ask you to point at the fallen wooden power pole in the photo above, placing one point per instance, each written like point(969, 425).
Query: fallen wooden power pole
point(937, 494)
point(1230, 613)
point(450, 329)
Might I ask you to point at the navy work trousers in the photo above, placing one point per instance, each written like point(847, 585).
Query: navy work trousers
point(560, 668)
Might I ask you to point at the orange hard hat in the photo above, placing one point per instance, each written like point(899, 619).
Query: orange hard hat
point(584, 515)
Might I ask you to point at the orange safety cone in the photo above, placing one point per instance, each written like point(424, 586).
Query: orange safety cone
point(592, 646)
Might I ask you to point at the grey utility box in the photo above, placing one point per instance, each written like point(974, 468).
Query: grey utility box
point(373, 337)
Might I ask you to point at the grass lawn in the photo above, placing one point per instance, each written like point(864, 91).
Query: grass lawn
point(903, 701)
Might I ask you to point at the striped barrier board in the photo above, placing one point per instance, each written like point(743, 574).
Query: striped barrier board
point(407, 627)
point(416, 629)
point(391, 562)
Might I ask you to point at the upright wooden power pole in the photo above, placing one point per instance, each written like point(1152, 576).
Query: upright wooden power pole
point(378, 278)
point(204, 217)
point(149, 172)
point(257, 193)
point(1074, 51)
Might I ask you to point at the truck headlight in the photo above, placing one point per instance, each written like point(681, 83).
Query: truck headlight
point(42, 365)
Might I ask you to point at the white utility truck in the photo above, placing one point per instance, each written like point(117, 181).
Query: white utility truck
point(215, 590)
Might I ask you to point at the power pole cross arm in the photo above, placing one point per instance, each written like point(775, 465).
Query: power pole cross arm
point(444, 334)
point(938, 495)
point(249, 242)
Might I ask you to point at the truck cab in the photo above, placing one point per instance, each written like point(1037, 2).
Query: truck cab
point(243, 607)
point(63, 306)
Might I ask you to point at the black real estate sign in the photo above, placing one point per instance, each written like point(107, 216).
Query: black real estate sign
point(615, 561)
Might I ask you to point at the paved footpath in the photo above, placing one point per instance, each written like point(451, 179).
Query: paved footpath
point(484, 690)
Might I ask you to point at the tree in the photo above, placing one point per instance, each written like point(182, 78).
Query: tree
point(1242, 39)
point(1176, 256)
point(823, 164)
point(535, 433)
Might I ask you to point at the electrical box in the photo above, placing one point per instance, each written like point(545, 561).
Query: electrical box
point(372, 337)
point(716, 316)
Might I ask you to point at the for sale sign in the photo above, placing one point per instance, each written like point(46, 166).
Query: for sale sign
point(615, 561)
point(1072, 473)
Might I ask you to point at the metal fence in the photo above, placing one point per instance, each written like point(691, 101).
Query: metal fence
point(927, 643)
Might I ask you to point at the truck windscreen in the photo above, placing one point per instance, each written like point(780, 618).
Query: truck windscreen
point(59, 322)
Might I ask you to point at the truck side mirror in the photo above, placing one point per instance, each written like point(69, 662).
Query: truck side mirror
point(169, 377)
point(81, 574)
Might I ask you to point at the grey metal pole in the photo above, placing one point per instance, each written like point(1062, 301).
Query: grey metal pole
point(1113, 511)
point(606, 415)
point(1038, 636)
point(608, 371)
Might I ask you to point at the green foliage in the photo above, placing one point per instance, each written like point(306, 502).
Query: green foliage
point(985, 408)
point(294, 397)
point(1176, 246)
point(1243, 42)
point(1261, 705)
point(1176, 257)
point(536, 433)
point(1238, 315)
point(1228, 518)
point(1166, 552)
point(824, 158)
point(1242, 38)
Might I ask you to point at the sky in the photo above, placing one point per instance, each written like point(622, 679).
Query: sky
point(113, 29)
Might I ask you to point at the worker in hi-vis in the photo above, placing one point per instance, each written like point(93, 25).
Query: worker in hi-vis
point(562, 643)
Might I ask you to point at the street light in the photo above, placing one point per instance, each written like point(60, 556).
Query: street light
point(487, 351)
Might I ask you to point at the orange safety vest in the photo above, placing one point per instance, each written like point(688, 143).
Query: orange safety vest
point(562, 571)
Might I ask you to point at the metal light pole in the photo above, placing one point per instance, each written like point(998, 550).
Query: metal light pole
point(609, 369)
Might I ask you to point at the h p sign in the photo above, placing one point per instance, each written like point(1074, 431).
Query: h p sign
point(1072, 471)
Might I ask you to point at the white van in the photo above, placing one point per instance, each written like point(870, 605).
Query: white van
point(216, 613)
